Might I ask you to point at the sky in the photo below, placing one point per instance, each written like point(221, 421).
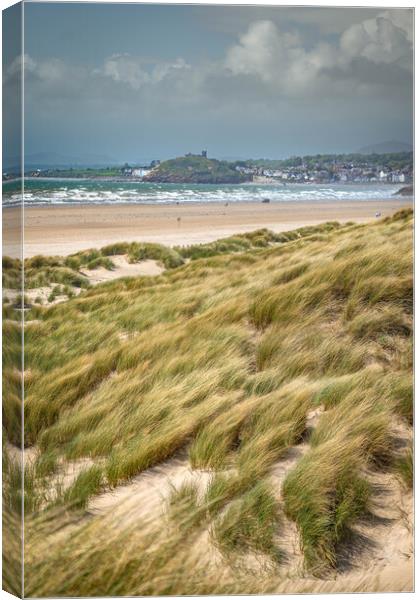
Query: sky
point(136, 82)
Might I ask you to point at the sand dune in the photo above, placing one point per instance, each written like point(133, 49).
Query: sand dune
point(379, 558)
point(123, 269)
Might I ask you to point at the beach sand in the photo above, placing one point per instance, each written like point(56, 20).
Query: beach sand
point(62, 230)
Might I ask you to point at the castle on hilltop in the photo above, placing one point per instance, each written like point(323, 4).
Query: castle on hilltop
point(203, 154)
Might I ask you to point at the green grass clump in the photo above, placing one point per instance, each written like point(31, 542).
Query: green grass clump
point(386, 321)
point(250, 523)
point(118, 248)
point(184, 509)
point(291, 273)
point(73, 262)
point(10, 263)
point(399, 388)
point(100, 261)
point(167, 256)
point(334, 391)
point(38, 262)
point(12, 404)
point(254, 432)
point(325, 494)
point(87, 484)
point(366, 418)
point(21, 487)
point(221, 436)
point(46, 464)
point(404, 468)
point(222, 489)
point(355, 431)
point(263, 382)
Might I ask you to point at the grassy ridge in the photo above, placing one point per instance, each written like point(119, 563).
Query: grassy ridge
point(225, 356)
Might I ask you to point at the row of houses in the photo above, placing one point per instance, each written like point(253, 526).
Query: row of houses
point(341, 174)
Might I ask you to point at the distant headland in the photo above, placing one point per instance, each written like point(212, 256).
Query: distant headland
point(393, 167)
point(194, 168)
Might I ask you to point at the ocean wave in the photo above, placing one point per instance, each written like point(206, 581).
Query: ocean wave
point(48, 193)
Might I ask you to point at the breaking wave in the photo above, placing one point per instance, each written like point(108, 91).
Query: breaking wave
point(47, 192)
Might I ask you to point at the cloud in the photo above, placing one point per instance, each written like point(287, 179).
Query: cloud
point(14, 69)
point(138, 72)
point(125, 69)
point(384, 39)
point(280, 58)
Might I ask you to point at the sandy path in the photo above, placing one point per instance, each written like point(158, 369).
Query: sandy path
point(123, 269)
point(145, 497)
point(62, 230)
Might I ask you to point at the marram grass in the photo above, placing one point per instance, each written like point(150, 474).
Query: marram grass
point(222, 357)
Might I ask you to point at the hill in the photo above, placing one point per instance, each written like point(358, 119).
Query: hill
point(400, 159)
point(241, 423)
point(196, 169)
point(390, 147)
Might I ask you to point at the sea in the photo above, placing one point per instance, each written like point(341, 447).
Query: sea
point(49, 192)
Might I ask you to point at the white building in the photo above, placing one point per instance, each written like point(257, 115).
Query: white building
point(398, 178)
point(140, 172)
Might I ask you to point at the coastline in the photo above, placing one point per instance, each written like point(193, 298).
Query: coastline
point(62, 230)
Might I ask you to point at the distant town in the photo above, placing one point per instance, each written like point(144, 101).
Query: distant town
point(347, 168)
point(394, 168)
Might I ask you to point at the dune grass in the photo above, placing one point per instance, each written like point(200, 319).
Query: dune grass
point(324, 494)
point(223, 357)
point(49, 270)
point(405, 468)
point(86, 485)
point(349, 436)
point(249, 523)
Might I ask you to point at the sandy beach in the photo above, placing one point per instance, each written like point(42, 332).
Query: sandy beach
point(62, 230)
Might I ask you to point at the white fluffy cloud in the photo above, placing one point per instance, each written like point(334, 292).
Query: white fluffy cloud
point(136, 72)
point(281, 58)
point(125, 69)
point(15, 67)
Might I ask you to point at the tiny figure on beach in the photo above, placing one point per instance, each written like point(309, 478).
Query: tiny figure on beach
point(178, 221)
point(377, 214)
point(265, 200)
point(226, 203)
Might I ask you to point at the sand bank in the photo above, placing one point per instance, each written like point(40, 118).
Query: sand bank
point(62, 230)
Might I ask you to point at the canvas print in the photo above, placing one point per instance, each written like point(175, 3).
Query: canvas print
point(207, 299)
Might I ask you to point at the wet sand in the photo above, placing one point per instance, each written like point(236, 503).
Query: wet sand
point(62, 230)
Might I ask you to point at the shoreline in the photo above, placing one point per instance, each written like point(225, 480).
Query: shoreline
point(258, 180)
point(62, 230)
